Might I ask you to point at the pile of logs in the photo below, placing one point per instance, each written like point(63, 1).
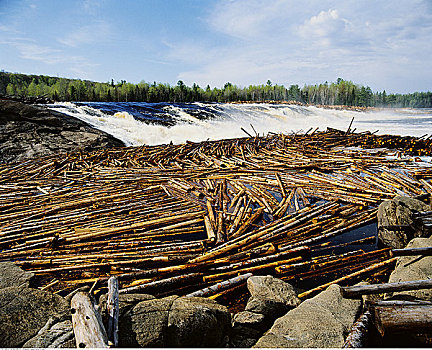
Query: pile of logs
point(196, 218)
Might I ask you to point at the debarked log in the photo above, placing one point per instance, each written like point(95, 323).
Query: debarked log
point(423, 251)
point(221, 286)
point(113, 310)
point(87, 323)
point(163, 283)
point(357, 291)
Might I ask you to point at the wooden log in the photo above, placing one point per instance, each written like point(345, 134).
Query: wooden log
point(209, 229)
point(246, 224)
point(390, 303)
point(358, 334)
point(403, 319)
point(163, 283)
point(356, 274)
point(87, 323)
point(357, 291)
point(113, 310)
point(424, 251)
point(221, 286)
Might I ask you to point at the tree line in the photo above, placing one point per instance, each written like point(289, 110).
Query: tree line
point(341, 92)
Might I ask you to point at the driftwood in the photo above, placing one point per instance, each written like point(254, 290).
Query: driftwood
point(424, 251)
point(356, 291)
point(403, 319)
point(219, 287)
point(87, 323)
point(113, 310)
point(358, 334)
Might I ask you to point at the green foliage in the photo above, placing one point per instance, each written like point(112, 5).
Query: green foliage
point(341, 92)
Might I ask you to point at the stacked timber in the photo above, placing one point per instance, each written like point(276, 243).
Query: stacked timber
point(185, 219)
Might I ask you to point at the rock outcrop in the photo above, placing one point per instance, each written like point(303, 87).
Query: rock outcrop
point(175, 322)
point(28, 131)
point(322, 321)
point(396, 222)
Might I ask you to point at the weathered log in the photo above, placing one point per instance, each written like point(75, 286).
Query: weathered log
point(356, 291)
point(398, 303)
point(221, 286)
point(424, 251)
point(87, 323)
point(113, 310)
point(403, 319)
point(163, 283)
point(358, 334)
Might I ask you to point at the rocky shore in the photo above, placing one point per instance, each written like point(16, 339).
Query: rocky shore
point(29, 131)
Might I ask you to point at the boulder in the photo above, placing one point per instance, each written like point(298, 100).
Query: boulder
point(198, 322)
point(13, 276)
point(274, 289)
point(409, 268)
point(399, 212)
point(322, 321)
point(146, 324)
point(270, 296)
point(28, 131)
point(24, 311)
point(175, 322)
point(248, 319)
point(57, 333)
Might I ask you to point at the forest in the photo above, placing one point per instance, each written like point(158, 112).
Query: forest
point(340, 92)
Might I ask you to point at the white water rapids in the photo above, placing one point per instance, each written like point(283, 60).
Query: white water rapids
point(199, 121)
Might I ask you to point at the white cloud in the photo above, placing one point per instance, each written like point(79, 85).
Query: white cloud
point(248, 19)
point(324, 24)
point(295, 42)
point(93, 33)
point(30, 50)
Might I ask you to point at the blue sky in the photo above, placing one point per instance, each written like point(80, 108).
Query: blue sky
point(383, 44)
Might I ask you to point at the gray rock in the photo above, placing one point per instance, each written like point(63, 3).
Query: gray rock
point(248, 319)
point(146, 324)
point(13, 276)
point(399, 211)
point(409, 268)
point(55, 334)
point(24, 311)
point(198, 322)
point(274, 289)
point(31, 131)
point(238, 341)
point(270, 297)
point(267, 307)
point(175, 322)
point(322, 321)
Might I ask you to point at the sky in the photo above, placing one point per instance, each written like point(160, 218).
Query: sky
point(383, 44)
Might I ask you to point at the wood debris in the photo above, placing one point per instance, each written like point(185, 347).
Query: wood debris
point(178, 219)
